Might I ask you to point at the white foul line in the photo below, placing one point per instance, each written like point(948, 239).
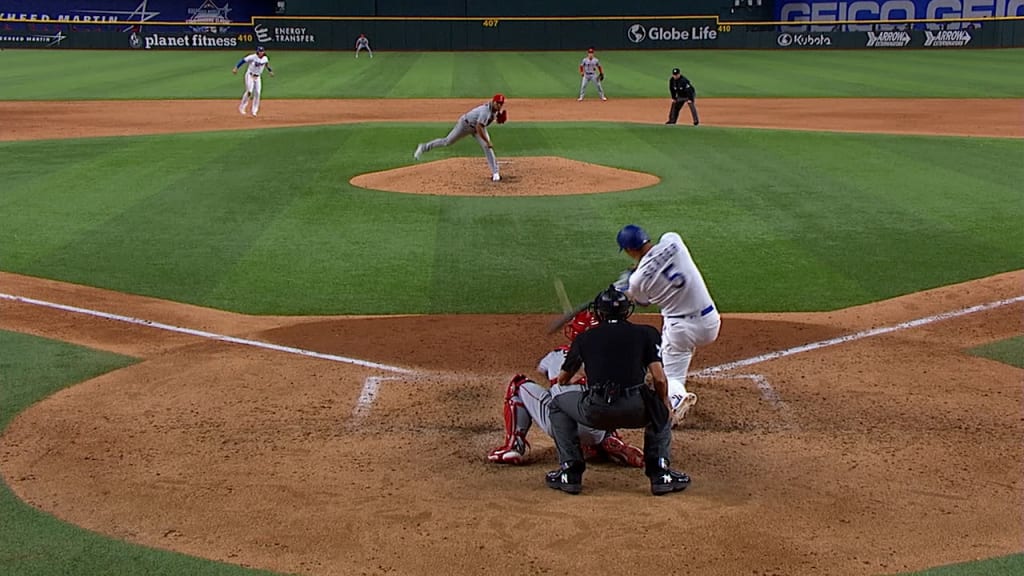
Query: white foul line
point(208, 335)
point(852, 337)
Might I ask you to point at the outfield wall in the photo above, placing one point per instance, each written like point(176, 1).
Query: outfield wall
point(701, 32)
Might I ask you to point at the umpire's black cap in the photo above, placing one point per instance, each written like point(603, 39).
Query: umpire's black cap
point(675, 70)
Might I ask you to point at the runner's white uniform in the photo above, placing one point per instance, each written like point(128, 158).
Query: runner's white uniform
point(668, 277)
point(253, 80)
point(363, 43)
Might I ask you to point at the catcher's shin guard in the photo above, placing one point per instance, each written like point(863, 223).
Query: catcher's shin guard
point(517, 424)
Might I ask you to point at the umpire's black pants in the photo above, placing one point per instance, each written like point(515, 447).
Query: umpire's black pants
point(570, 409)
point(677, 105)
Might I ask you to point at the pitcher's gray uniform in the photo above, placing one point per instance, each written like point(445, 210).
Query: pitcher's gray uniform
point(591, 71)
point(474, 122)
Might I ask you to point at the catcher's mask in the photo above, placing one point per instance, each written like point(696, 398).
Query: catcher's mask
point(611, 304)
point(579, 324)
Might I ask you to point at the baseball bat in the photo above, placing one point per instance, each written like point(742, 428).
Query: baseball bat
point(556, 325)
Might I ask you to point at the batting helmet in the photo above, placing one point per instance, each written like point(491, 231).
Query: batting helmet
point(632, 237)
point(611, 304)
point(579, 324)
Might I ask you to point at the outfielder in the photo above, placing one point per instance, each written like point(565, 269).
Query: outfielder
point(253, 81)
point(363, 43)
point(682, 92)
point(474, 122)
point(591, 71)
point(667, 276)
point(527, 402)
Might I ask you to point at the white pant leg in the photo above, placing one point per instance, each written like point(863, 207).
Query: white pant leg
point(247, 95)
point(537, 400)
point(492, 161)
point(257, 89)
point(583, 85)
point(600, 89)
point(679, 339)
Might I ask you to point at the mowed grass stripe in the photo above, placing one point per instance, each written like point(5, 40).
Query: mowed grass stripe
point(82, 74)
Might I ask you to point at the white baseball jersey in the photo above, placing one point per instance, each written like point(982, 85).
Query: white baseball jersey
point(551, 363)
point(482, 114)
point(668, 277)
point(362, 42)
point(256, 63)
point(590, 66)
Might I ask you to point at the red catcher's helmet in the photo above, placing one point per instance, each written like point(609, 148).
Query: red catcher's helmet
point(581, 322)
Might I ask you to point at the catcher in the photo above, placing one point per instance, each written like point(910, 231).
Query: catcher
point(474, 122)
point(682, 91)
point(527, 401)
point(591, 71)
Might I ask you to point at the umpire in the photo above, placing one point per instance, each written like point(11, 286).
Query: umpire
point(682, 92)
point(616, 353)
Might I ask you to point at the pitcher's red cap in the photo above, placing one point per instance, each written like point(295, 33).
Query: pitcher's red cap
point(500, 98)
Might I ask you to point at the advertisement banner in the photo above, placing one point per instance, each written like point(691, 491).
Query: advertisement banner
point(799, 40)
point(672, 34)
point(200, 15)
point(824, 11)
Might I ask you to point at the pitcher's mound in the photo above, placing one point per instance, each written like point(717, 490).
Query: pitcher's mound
point(520, 176)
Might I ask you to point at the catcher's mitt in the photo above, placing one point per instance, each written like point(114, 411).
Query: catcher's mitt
point(502, 117)
point(601, 76)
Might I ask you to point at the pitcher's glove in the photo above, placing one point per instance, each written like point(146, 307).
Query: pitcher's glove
point(601, 76)
point(502, 117)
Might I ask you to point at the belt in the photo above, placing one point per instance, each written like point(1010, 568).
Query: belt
point(703, 312)
point(254, 75)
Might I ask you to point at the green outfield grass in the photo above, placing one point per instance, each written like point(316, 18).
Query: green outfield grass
point(778, 220)
point(73, 75)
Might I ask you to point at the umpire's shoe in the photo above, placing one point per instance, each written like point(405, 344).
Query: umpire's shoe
point(665, 479)
point(568, 478)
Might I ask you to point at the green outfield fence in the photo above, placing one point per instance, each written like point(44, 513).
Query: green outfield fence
point(522, 34)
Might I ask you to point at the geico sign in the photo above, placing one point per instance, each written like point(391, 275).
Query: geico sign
point(898, 10)
point(637, 33)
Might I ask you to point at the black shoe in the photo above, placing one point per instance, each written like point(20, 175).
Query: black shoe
point(670, 122)
point(696, 122)
point(669, 481)
point(568, 478)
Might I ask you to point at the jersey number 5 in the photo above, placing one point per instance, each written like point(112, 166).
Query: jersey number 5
point(675, 279)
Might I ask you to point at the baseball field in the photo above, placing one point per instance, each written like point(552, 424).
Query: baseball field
point(279, 345)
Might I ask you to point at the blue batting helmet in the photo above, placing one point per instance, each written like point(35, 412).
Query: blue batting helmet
point(632, 237)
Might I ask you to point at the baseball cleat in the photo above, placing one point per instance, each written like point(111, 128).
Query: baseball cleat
point(603, 99)
point(241, 110)
point(667, 481)
point(696, 122)
point(622, 453)
point(496, 177)
point(568, 479)
point(512, 452)
point(684, 406)
point(580, 99)
point(419, 152)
